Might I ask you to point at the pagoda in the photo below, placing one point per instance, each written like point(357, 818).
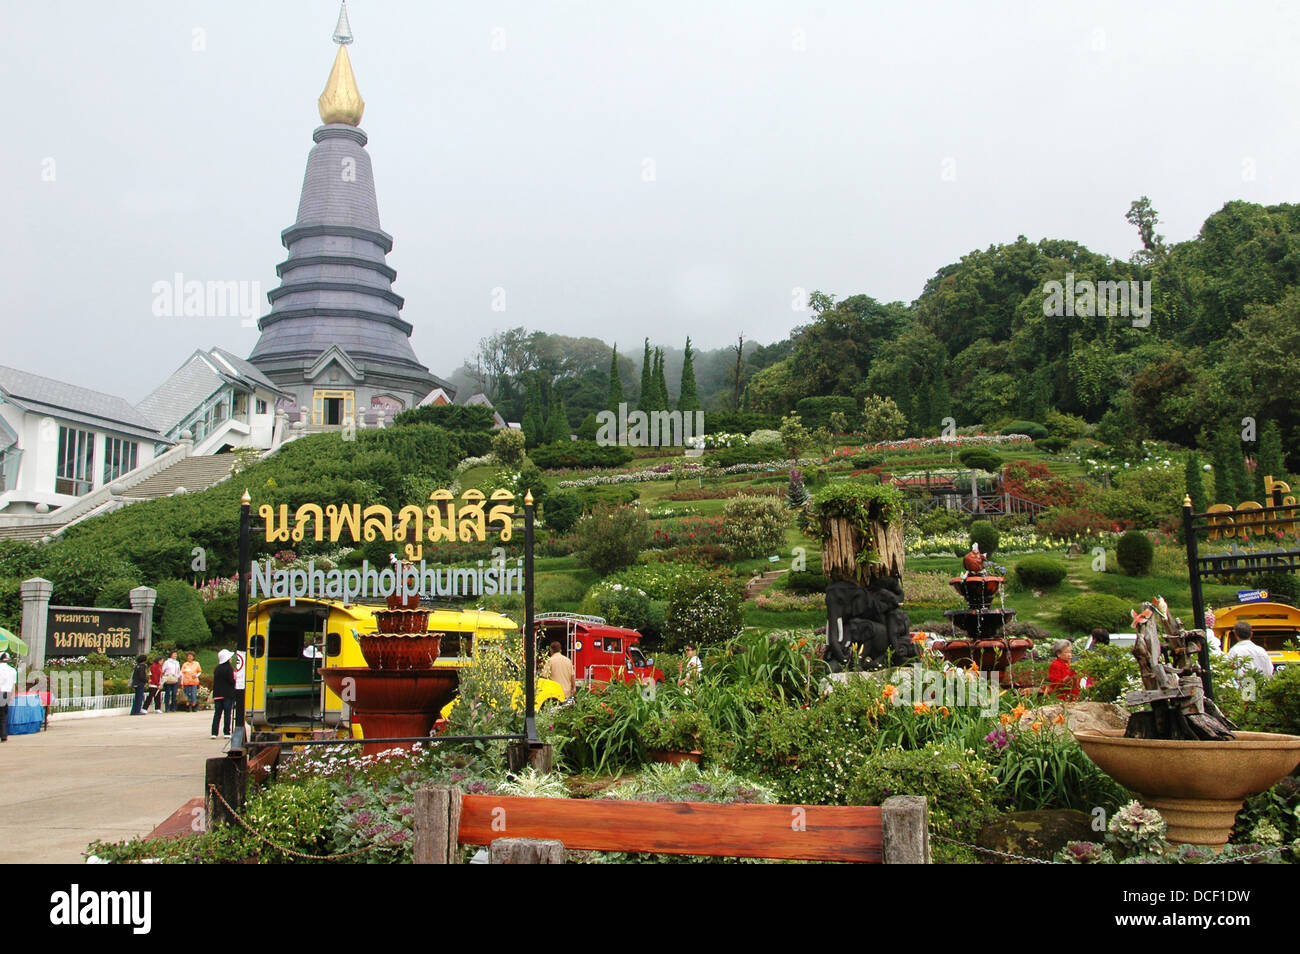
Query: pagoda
point(334, 338)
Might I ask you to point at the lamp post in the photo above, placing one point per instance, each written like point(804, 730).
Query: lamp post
point(530, 638)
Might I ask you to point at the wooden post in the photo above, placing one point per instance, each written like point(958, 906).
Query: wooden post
point(526, 851)
point(520, 754)
point(905, 830)
point(437, 826)
point(230, 776)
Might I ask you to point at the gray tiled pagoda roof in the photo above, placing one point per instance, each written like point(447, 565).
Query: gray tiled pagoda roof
point(70, 402)
point(335, 286)
point(202, 375)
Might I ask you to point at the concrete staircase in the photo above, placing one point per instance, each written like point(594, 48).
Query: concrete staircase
point(761, 582)
point(192, 473)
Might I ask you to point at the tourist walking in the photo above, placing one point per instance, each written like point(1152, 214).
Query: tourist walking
point(154, 695)
point(560, 669)
point(190, 672)
point(8, 686)
point(692, 668)
point(139, 682)
point(223, 692)
point(1245, 648)
point(171, 680)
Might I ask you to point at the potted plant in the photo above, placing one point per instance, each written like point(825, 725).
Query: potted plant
point(676, 736)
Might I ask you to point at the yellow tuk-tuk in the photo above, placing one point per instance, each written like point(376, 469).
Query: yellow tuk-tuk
point(289, 644)
point(1273, 625)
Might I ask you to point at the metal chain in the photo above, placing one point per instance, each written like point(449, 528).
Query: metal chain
point(1238, 859)
point(288, 851)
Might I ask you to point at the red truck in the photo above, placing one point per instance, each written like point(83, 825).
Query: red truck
point(599, 652)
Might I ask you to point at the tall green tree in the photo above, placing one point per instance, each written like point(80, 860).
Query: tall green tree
point(1194, 484)
point(1268, 459)
point(645, 400)
point(1231, 484)
point(661, 382)
point(615, 383)
point(534, 422)
point(687, 400)
point(557, 421)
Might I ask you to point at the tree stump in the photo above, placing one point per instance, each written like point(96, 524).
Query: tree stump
point(526, 851)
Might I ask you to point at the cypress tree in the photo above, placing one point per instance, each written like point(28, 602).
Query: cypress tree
point(1195, 485)
point(534, 424)
point(645, 399)
point(661, 384)
point(687, 399)
point(557, 420)
point(1269, 461)
point(615, 397)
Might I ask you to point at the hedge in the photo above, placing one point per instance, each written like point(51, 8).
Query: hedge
point(1040, 572)
point(1092, 611)
point(579, 455)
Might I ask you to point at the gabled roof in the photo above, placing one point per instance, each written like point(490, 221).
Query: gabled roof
point(78, 405)
point(203, 374)
point(331, 354)
point(436, 396)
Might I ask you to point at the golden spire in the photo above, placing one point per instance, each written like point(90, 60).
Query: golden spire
point(341, 101)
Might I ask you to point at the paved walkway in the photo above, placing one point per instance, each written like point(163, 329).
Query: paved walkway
point(107, 778)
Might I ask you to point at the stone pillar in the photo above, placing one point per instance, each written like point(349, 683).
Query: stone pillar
point(142, 599)
point(36, 615)
point(905, 830)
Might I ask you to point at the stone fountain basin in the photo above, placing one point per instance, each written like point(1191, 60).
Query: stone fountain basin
point(1198, 786)
point(393, 703)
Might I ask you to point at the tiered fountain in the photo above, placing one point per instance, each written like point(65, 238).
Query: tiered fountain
point(398, 693)
point(985, 646)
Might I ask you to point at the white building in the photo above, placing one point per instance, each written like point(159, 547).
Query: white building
point(222, 400)
point(60, 442)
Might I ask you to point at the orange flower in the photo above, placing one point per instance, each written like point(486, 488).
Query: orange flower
point(802, 644)
point(920, 708)
point(944, 710)
point(1006, 718)
point(889, 691)
point(1059, 720)
point(880, 707)
point(1036, 726)
point(1018, 711)
point(919, 637)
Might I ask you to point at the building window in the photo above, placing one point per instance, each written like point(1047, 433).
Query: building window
point(261, 406)
point(241, 407)
point(76, 466)
point(9, 458)
point(119, 458)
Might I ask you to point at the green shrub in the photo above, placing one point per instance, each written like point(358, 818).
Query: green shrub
point(1134, 553)
point(1111, 671)
point(19, 559)
point(703, 610)
point(986, 535)
point(576, 455)
point(11, 603)
point(749, 454)
point(1277, 706)
point(1090, 611)
point(620, 605)
point(754, 526)
point(610, 538)
point(805, 582)
point(508, 446)
point(116, 594)
point(563, 508)
point(1051, 445)
point(454, 417)
point(1039, 572)
point(178, 615)
point(956, 785)
point(1282, 586)
point(611, 494)
point(1028, 428)
point(979, 458)
point(79, 572)
point(222, 616)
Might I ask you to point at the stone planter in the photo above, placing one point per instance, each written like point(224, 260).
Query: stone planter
point(1198, 787)
point(675, 758)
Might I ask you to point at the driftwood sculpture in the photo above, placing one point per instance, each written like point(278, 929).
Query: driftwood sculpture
point(1173, 682)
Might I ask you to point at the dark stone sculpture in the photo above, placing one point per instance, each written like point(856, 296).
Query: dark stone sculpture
point(866, 629)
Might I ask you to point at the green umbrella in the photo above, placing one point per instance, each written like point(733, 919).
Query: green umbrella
point(11, 643)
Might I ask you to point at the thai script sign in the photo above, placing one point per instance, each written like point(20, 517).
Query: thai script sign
point(444, 519)
point(1228, 521)
point(81, 630)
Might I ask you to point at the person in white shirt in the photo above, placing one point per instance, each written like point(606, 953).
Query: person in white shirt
point(1246, 648)
point(692, 668)
point(8, 683)
point(171, 680)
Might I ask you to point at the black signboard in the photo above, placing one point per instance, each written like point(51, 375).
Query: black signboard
point(82, 630)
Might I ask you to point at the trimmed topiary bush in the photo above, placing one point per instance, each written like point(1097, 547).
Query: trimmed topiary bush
point(178, 615)
point(222, 616)
point(1028, 428)
point(1051, 445)
point(579, 455)
point(1092, 611)
point(563, 508)
point(1039, 572)
point(1134, 553)
point(986, 535)
point(979, 458)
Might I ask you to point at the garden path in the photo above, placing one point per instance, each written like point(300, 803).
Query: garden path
point(108, 778)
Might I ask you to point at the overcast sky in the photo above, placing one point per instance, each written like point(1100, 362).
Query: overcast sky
point(618, 169)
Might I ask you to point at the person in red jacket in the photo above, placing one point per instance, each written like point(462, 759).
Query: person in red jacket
point(1064, 682)
point(154, 695)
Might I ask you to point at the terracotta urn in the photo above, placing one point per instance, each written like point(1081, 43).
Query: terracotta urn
point(1198, 787)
